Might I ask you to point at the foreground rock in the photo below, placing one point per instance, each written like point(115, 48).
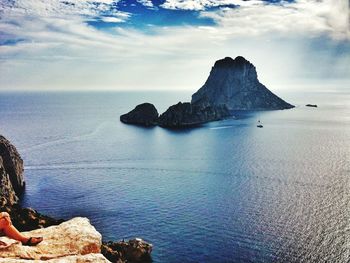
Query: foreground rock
point(27, 219)
point(144, 114)
point(89, 258)
point(135, 250)
point(234, 83)
point(187, 114)
point(68, 241)
point(11, 173)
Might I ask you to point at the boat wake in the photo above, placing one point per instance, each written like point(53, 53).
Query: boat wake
point(62, 141)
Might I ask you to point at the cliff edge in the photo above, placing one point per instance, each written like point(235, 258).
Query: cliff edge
point(73, 241)
point(11, 173)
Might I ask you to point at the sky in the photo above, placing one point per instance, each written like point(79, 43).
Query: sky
point(171, 44)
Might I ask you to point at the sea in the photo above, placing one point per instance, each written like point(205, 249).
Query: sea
point(225, 191)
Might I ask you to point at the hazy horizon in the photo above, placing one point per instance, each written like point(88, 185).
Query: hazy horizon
point(171, 45)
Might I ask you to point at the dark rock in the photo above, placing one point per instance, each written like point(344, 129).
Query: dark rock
point(191, 114)
point(13, 165)
point(144, 114)
point(27, 219)
point(132, 251)
point(7, 193)
point(311, 105)
point(234, 83)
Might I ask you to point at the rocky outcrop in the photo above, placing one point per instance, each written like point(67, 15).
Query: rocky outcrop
point(70, 240)
point(234, 83)
point(7, 193)
point(135, 250)
point(191, 114)
point(13, 165)
point(27, 219)
point(144, 114)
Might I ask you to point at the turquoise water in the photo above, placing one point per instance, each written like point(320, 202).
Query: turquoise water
point(223, 192)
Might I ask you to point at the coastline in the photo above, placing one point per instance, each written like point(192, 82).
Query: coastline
point(28, 219)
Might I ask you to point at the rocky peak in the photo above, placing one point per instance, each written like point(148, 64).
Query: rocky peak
point(234, 83)
point(229, 62)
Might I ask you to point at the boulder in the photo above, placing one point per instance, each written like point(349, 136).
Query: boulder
point(133, 251)
point(234, 83)
point(63, 243)
point(144, 114)
point(13, 165)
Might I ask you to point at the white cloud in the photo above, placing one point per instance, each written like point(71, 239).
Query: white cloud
point(313, 17)
point(61, 49)
point(111, 19)
point(259, 17)
point(147, 3)
point(62, 8)
point(204, 4)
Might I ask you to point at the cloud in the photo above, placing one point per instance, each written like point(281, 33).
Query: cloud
point(147, 3)
point(205, 4)
point(260, 17)
point(61, 8)
point(53, 42)
point(112, 19)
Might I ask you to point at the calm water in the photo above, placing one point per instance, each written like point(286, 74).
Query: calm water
point(223, 192)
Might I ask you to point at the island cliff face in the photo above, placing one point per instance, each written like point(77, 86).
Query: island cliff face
point(191, 114)
point(234, 83)
point(11, 173)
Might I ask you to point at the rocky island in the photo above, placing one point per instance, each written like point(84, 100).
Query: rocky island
point(232, 85)
point(311, 105)
point(75, 240)
point(144, 114)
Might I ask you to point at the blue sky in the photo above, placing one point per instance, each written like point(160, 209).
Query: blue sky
point(170, 44)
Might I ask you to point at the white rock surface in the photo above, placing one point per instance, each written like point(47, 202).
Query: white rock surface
point(89, 258)
point(73, 241)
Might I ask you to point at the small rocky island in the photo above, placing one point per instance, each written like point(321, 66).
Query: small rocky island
point(144, 114)
point(75, 240)
point(232, 85)
point(311, 105)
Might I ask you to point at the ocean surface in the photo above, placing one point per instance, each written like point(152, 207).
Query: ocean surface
point(223, 192)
